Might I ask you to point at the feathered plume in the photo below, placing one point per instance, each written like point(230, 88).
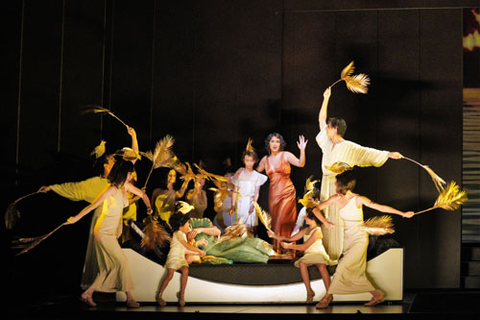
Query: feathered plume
point(162, 155)
point(207, 175)
point(12, 215)
point(439, 182)
point(263, 216)
point(450, 199)
point(307, 200)
point(357, 83)
point(154, 235)
point(236, 230)
point(185, 170)
point(184, 207)
point(127, 154)
point(99, 150)
point(378, 225)
point(29, 243)
point(102, 110)
point(250, 147)
point(221, 193)
point(339, 167)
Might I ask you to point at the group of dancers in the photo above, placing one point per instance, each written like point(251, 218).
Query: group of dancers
point(331, 232)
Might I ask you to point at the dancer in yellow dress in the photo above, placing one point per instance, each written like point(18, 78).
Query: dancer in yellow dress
point(314, 252)
point(113, 270)
point(350, 275)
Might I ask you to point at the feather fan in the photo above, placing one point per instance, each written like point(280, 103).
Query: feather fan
point(102, 110)
point(339, 167)
point(439, 182)
point(154, 235)
point(12, 215)
point(28, 244)
point(450, 199)
point(263, 216)
point(357, 83)
point(378, 225)
point(162, 155)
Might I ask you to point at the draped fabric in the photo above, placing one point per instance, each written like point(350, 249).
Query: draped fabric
point(350, 276)
point(282, 204)
point(247, 183)
point(354, 155)
point(113, 268)
point(87, 190)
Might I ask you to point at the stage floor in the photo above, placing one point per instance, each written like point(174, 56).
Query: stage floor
point(441, 304)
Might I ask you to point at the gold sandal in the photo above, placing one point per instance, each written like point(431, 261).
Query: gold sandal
point(310, 295)
point(181, 299)
point(323, 304)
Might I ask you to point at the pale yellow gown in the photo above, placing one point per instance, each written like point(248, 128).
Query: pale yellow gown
point(354, 155)
point(87, 190)
point(176, 255)
point(350, 275)
point(316, 252)
point(113, 268)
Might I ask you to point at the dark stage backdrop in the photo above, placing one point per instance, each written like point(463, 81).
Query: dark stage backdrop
point(215, 73)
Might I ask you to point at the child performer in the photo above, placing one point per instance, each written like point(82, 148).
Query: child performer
point(247, 183)
point(314, 251)
point(181, 254)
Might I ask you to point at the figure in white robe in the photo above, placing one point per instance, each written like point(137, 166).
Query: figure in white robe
point(336, 149)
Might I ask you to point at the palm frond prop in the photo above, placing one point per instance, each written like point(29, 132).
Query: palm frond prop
point(154, 235)
point(439, 182)
point(236, 230)
point(450, 199)
point(12, 215)
point(101, 110)
point(161, 156)
point(28, 244)
point(264, 216)
point(378, 225)
point(209, 176)
point(339, 167)
point(127, 154)
point(357, 83)
point(221, 192)
point(185, 170)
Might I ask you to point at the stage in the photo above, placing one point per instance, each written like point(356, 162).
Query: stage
point(416, 304)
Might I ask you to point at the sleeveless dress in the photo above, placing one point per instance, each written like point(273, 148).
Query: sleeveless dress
point(113, 268)
point(282, 204)
point(316, 252)
point(350, 275)
point(176, 255)
point(247, 183)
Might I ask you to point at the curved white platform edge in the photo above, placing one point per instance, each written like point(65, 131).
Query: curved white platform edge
point(385, 271)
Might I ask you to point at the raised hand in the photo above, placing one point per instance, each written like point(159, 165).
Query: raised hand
point(302, 143)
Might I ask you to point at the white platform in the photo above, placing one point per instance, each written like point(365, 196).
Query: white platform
point(385, 272)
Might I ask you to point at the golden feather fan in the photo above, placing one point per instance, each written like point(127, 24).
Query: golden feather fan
point(339, 167)
point(154, 235)
point(450, 199)
point(439, 182)
point(263, 216)
point(102, 110)
point(378, 225)
point(12, 215)
point(357, 83)
point(162, 155)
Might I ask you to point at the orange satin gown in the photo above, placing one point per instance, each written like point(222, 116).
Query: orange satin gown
point(282, 203)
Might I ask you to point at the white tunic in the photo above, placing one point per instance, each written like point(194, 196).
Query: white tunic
point(247, 183)
point(354, 155)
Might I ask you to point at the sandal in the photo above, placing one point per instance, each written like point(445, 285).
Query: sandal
point(375, 301)
point(181, 299)
point(160, 301)
point(88, 301)
point(310, 295)
point(323, 304)
point(132, 304)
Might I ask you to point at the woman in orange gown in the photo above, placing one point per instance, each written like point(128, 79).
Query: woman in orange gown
point(282, 202)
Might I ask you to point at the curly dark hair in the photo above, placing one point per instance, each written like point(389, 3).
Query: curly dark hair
point(312, 216)
point(276, 135)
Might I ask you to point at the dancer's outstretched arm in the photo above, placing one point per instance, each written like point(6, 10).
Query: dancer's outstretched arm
point(383, 208)
point(322, 116)
point(298, 162)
